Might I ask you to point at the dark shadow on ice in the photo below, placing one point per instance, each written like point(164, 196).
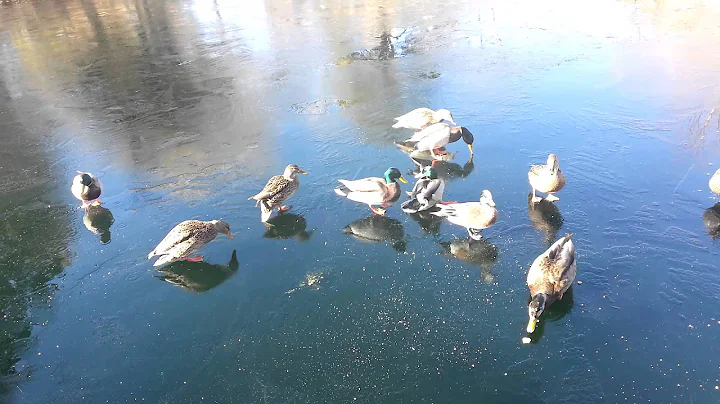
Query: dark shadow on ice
point(480, 253)
point(98, 220)
point(376, 229)
point(287, 225)
point(198, 276)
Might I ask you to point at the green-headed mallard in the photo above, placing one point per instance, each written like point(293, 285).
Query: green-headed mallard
point(277, 190)
point(550, 276)
point(373, 190)
point(546, 178)
point(186, 238)
point(474, 216)
point(439, 135)
point(87, 188)
point(715, 182)
point(421, 117)
point(427, 192)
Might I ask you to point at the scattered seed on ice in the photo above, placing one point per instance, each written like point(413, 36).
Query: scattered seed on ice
point(526, 340)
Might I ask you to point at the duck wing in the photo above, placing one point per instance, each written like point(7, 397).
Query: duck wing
point(564, 268)
point(537, 170)
point(414, 119)
point(371, 184)
point(370, 191)
point(178, 235)
point(437, 135)
point(180, 250)
point(273, 186)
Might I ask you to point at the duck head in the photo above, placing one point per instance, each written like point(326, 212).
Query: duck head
point(553, 163)
point(430, 172)
point(292, 170)
point(444, 115)
point(535, 310)
point(487, 198)
point(392, 174)
point(467, 137)
point(222, 227)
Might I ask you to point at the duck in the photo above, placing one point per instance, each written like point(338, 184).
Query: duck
point(277, 190)
point(186, 238)
point(715, 182)
point(87, 188)
point(373, 190)
point(427, 192)
point(546, 178)
point(438, 135)
point(550, 276)
point(419, 118)
point(474, 216)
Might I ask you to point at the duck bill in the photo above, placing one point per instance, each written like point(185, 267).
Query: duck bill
point(303, 172)
point(403, 180)
point(229, 235)
point(471, 149)
point(531, 325)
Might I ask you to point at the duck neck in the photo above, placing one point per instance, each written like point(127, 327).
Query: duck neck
point(455, 134)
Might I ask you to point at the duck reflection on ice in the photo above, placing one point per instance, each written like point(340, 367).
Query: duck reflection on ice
point(98, 220)
point(711, 218)
point(198, 276)
point(428, 222)
point(558, 310)
point(480, 253)
point(545, 217)
point(375, 229)
point(445, 168)
point(287, 225)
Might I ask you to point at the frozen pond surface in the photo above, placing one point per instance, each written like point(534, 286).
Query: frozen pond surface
point(186, 108)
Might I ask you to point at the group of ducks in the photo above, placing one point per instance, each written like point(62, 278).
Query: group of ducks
point(550, 276)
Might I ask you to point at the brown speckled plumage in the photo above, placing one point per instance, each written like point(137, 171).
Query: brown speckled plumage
point(277, 190)
point(187, 238)
point(544, 179)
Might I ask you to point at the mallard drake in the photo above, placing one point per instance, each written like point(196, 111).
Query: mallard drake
point(373, 191)
point(277, 190)
point(546, 178)
point(186, 238)
point(550, 276)
point(427, 192)
point(715, 182)
point(421, 117)
point(474, 216)
point(87, 188)
point(439, 135)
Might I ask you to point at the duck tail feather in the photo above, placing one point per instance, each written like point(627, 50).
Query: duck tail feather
point(444, 211)
point(342, 190)
point(165, 259)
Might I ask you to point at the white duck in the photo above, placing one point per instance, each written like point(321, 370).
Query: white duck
point(421, 117)
point(474, 216)
point(439, 135)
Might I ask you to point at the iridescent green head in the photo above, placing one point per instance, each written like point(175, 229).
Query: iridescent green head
point(393, 174)
point(430, 172)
